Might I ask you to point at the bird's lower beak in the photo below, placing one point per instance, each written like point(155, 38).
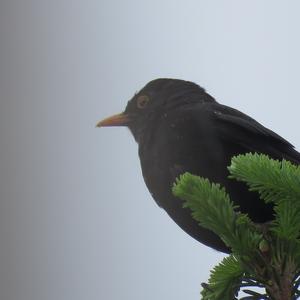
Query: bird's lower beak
point(121, 119)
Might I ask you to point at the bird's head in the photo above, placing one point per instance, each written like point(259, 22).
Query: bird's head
point(155, 100)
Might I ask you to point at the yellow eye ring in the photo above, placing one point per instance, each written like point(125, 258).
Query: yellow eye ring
point(142, 101)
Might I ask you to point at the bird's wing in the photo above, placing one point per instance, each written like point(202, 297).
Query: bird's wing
point(237, 128)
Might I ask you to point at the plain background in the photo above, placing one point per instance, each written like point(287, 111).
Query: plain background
point(77, 222)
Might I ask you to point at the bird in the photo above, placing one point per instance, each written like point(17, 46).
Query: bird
point(180, 128)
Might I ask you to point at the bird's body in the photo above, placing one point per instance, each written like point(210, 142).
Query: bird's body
point(183, 129)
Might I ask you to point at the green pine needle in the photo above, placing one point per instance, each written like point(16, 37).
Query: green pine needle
point(224, 280)
point(275, 181)
point(213, 209)
point(266, 255)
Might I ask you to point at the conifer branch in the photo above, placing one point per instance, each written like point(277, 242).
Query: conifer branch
point(265, 260)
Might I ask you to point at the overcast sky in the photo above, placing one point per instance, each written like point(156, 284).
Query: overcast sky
point(77, 222)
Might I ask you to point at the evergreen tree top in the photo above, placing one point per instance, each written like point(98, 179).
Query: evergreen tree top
point(264, 256)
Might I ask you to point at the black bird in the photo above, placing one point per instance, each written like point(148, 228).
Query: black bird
point(181, 128)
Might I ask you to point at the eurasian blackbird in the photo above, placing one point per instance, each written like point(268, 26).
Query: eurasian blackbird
point(181, 128)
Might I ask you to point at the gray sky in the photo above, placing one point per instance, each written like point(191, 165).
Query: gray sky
point(77, 222)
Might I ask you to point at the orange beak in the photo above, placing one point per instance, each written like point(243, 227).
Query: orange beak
point(121, 119)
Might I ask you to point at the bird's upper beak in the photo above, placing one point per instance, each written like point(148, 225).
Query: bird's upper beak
point(121, 119)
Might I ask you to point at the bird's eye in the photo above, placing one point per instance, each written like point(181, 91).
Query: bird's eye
point(142, 101)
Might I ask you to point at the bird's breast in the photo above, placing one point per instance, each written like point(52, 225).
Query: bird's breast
point(169, 150)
